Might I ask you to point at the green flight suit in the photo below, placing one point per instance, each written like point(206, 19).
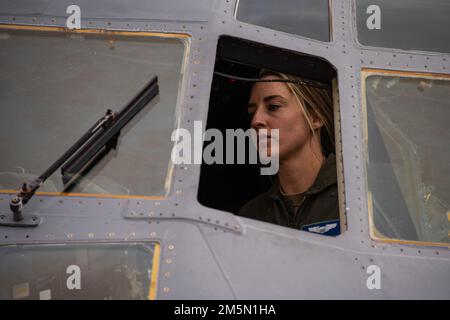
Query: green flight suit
point(320, 203)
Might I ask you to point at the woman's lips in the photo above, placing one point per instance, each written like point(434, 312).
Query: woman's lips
point(263, 137)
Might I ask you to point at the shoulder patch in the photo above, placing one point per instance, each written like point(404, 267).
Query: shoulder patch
point(327, 228)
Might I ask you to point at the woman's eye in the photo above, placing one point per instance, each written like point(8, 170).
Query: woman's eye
point(273, 107)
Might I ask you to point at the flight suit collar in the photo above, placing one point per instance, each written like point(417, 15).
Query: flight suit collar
point(325, 178)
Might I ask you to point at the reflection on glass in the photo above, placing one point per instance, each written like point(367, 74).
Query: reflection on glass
point(406, 24)
point(77, 271)
point(54, 86)
point(307, 18)
point(408, 156)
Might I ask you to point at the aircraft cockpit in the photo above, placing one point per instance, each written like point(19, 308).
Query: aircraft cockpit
point(131, 84)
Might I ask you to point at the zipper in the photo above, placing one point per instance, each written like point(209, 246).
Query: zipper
point(292, 216)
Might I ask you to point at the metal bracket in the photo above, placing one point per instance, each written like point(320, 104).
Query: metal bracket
point(7, 220)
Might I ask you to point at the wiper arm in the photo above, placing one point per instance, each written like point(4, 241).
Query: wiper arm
point(95, 143)
point(109, 130)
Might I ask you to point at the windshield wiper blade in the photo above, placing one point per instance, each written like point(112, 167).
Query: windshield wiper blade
point(95, 143)
point(108, 137)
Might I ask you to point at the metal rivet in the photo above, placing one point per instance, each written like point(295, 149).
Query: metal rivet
point(171, 247)
point(167, 274)
point(166, 289)
point(168, 261)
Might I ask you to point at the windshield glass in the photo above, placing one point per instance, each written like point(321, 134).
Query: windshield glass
point(55, 85)
point(408, 161)
point(79, 271)
point(307, 18)
point(404, 24)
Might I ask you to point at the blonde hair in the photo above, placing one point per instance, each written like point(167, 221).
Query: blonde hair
point(315, 103)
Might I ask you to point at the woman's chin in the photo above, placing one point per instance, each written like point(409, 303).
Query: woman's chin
point(265, 154)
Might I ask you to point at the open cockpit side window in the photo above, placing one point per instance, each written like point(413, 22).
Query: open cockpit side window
point(266, 89)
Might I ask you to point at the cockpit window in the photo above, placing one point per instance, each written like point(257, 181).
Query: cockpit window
point(79, 271)
point(306, 18)
point(255, 96)
point(55, 85)
point(404, 24)
point(408, 156)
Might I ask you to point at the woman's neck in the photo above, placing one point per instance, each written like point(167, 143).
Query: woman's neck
point(298, 173)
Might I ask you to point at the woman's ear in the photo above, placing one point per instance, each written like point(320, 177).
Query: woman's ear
point(317, 124)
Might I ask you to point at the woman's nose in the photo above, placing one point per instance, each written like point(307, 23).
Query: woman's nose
point(258, 120)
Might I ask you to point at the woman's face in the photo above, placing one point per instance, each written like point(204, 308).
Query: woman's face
point(272, 105)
